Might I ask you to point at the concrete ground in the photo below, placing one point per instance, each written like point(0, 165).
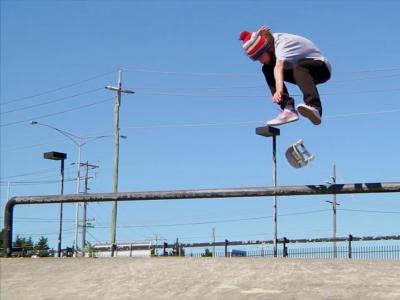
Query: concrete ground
point(197, 278)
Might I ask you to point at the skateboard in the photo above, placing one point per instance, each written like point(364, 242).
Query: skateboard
point(297, 155)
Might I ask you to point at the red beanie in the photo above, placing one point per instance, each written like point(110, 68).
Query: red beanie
point(253, 44)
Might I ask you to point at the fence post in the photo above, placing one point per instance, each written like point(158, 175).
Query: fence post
point(285, 253)
point(165, 249)
point(113, 249)
point(350, 239)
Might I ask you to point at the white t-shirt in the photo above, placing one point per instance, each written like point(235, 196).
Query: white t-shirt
point(291, 48)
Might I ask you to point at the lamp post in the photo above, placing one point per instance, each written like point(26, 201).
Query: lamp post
point(58, 156)
point(79, 143)
point(273, 132)
point(117, 105)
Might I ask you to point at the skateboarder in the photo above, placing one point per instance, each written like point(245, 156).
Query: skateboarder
point(291, 58)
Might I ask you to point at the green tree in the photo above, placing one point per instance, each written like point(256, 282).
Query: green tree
point(207, 253)
point(91, 250)
point(42, 247)
point(24, 245)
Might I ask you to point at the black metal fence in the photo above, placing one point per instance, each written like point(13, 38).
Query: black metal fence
point(382, 252)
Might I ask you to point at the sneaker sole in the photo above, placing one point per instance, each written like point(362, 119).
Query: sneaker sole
point(309, 115)
point(290, 121)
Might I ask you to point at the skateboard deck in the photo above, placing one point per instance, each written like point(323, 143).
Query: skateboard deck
point(297, 155)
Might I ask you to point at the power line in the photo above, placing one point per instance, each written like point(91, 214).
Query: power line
point(233, 123)
point(192, 125)
point(245, 97)
point(220, 221)
point(243, 123)
point(56, 113)
point(362, 92)
point(202, 87)
point(369, 211)
point(248, 235)
point(192, 95)
point(33, 220)
point(57, 89)
point(185, 73)
point(395, 68)
point(363, 78)
point(45, 171)
point(37, 182)
point(364, 114)
point(30, 173)
point(181, 73)
point(33, 145)
point(206, 95)
point(43, 234)
point(81, 136)
point(188, 95)
point(93, 237)
point(253, 86)
point(139, 70)
point(52, 101)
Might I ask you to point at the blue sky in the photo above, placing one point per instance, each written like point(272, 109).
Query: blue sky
point(192, 120)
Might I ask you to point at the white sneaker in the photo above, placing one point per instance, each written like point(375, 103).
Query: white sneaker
point(310, 113)
point(286, 116)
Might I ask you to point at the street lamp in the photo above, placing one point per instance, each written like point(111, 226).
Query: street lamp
point(79, 142)
point(58, 156)
point(273, 132)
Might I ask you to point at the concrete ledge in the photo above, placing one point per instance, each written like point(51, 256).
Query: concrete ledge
point(198, 278)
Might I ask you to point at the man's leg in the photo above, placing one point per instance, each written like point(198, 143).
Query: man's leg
point(268, 71)
point(288, 113)
point(307, 73)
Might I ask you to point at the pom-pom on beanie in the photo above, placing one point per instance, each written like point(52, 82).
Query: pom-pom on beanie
point(254, 45)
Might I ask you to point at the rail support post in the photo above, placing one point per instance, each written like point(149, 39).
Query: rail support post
point(350, 250)
point(285, 251)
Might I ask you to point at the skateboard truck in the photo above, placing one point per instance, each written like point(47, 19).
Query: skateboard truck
point(297, 155)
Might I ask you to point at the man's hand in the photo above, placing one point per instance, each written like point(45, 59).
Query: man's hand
point(277, 97)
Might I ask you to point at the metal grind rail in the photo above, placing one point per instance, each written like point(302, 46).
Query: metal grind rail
point(353, 188)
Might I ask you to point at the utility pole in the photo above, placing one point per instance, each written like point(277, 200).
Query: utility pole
point(334, 214)
point(78, 191)
point(117, 105)
point(334, 204)
point(213, 237)
point(84, 212)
